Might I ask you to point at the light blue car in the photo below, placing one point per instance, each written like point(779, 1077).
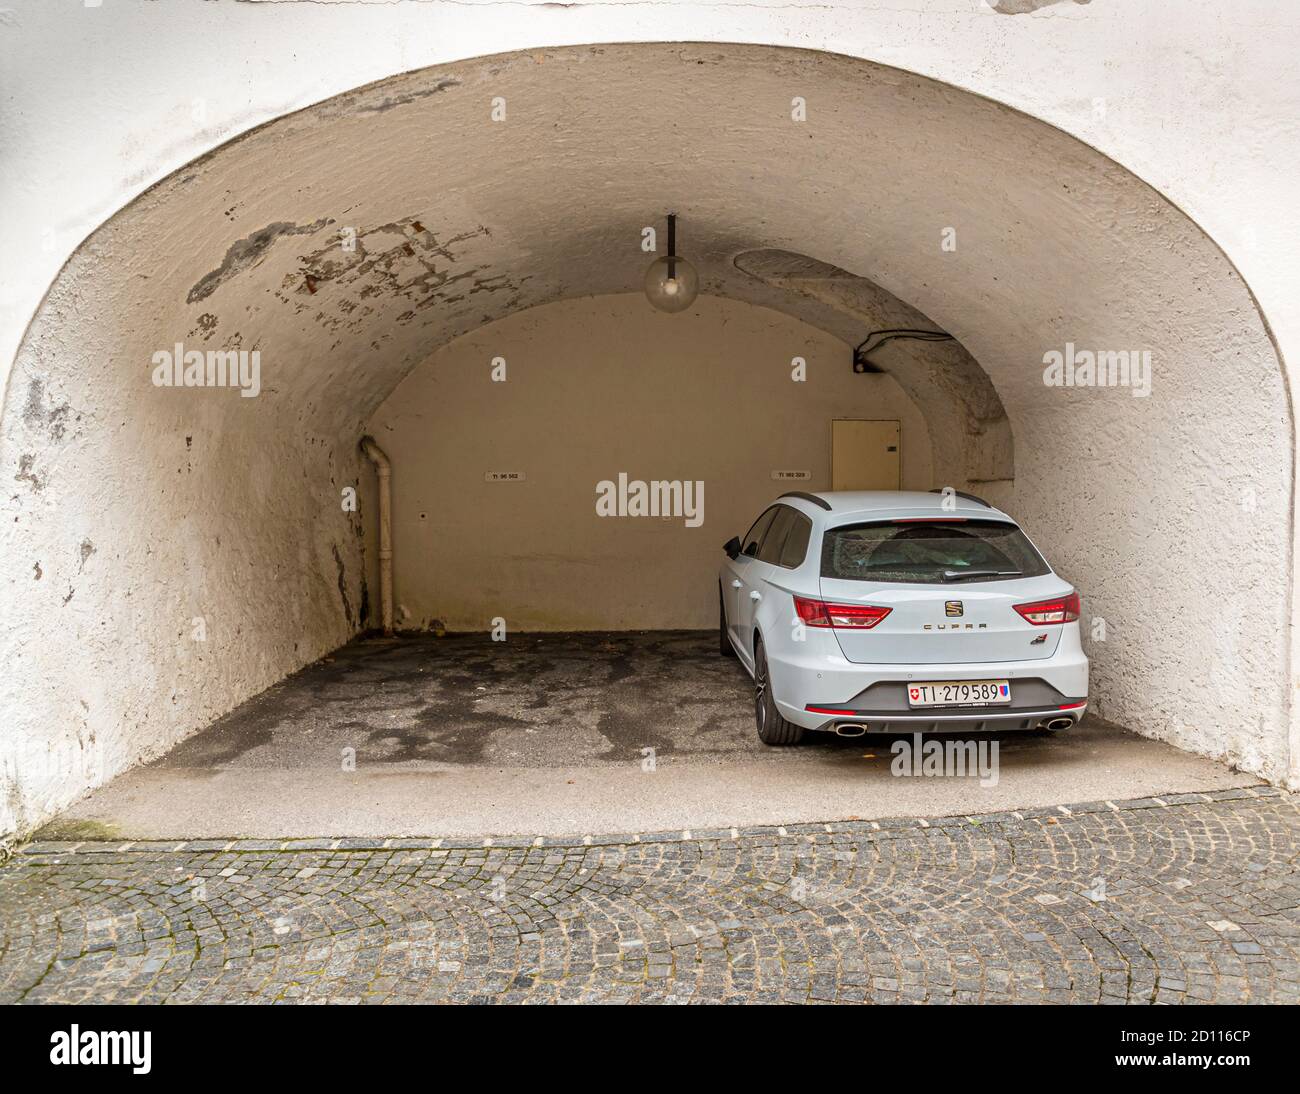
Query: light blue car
point(899, 612)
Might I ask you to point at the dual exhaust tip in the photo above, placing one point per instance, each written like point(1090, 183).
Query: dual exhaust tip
point(857, 729)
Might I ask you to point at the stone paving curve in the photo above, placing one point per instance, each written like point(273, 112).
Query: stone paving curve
point(1188, 899)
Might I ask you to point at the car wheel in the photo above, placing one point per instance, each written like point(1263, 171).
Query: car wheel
point(772, 728)
point(725, 647)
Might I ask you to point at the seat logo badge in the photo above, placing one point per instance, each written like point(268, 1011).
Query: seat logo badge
point(1039, 640)
point(952, 607)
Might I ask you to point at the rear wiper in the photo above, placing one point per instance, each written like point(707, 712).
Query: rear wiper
point(964, 575)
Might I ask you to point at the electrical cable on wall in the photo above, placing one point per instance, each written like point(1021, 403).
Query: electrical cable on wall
point(861, 361)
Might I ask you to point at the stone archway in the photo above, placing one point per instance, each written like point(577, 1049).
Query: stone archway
point(145, 514)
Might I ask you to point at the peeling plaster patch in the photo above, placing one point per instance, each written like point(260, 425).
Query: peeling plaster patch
point(37, 415)
point(1025, 7)
point(399, 259)
point(410, 97)
point(87, 549)
point(36, 567)
point(247, 252)
point(207, 326)
point(25, 462)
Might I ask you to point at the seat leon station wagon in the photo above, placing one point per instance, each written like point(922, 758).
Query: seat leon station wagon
point(899, 612)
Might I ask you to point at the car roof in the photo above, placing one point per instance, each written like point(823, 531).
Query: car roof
point(889, 503)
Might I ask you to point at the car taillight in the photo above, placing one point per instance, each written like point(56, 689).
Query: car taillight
point(820, 613)
point(1060, 609)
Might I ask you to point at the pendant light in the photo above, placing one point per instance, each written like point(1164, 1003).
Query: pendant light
point(671, 283)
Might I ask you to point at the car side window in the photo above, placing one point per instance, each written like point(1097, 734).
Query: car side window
point(755, 535)
point(774, 540)
point(796, 542)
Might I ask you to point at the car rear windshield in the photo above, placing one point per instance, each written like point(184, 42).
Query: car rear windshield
point(929, 551)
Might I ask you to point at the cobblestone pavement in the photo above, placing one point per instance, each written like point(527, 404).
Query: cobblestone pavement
point(1193, 898)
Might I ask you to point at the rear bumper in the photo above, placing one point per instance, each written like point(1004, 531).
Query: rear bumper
point(815, 673)
point(951, 720)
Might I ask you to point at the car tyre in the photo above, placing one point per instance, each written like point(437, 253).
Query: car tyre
point(725, 647)
point(772, 728)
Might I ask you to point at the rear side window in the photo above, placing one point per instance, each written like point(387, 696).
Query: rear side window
point(796, 542)
point(755, 535)
point(770, 549)
point(929, 552)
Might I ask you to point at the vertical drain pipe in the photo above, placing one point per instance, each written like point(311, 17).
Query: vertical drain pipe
point(384, 468)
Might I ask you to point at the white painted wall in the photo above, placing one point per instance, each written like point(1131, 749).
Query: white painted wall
point(595, 387)
point(162, 560)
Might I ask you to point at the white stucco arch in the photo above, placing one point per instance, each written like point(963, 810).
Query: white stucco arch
point(137, 509)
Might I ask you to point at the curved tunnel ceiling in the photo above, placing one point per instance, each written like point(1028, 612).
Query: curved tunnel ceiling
point(459, 220)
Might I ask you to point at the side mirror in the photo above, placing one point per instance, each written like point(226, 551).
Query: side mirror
point(732, 547)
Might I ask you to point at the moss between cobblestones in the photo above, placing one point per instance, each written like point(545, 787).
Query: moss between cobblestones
point(85, 830)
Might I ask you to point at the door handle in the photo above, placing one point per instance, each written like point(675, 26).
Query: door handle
point(755, 595)
point(735, 584)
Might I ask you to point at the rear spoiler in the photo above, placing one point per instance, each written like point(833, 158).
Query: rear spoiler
point(961, 494)
point(802, 496)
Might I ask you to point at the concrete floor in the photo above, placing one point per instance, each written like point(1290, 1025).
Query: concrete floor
point(544, 734)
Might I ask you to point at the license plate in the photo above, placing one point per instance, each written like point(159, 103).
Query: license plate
point(959, 693)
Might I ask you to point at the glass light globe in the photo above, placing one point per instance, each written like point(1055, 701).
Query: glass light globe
point(671, 293)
